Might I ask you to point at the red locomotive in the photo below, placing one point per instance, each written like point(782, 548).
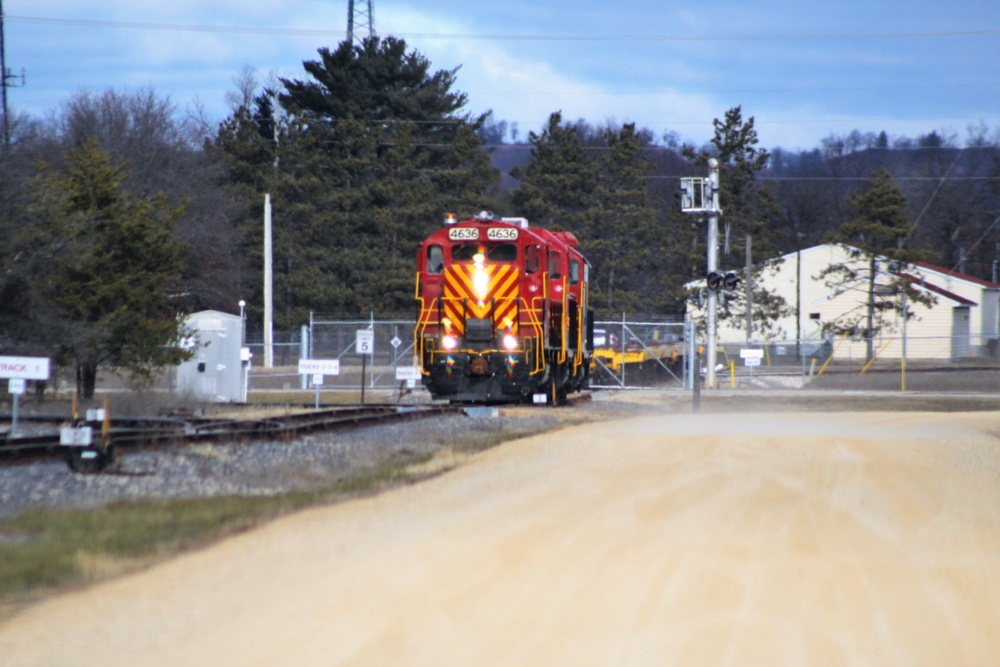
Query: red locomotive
point(503, 312)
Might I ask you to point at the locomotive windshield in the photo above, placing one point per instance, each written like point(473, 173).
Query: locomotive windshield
point(494, 252)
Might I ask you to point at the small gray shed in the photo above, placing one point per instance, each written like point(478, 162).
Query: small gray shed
point(216, 372)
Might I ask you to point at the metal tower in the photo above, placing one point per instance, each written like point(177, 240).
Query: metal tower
point(362, 15)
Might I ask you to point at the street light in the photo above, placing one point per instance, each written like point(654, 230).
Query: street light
point(243, 324)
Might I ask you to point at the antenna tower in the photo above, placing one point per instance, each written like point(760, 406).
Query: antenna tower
point(360, 14)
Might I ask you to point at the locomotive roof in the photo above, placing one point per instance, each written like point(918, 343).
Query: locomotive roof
point(542, 235)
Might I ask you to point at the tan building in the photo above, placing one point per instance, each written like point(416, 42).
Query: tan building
point(963, 322)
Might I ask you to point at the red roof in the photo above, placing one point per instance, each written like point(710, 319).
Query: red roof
point(916, 280)
point(955, 274)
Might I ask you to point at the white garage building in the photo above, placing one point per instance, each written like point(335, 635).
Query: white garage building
point(963, 322)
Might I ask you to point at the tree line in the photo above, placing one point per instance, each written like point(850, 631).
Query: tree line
point(120, 214)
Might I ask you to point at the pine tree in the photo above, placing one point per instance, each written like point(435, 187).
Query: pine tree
point(749, 209)
point(557, 187)
point(370, 154)
point(623, 230)
point(874, 238)
point(104, 297)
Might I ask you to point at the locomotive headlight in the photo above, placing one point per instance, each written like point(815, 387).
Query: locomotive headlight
point(449, 342)
point(510, 341)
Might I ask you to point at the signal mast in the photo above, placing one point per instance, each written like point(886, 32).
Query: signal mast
point(700, 196)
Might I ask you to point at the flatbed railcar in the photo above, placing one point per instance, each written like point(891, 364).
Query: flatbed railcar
point(503, 312)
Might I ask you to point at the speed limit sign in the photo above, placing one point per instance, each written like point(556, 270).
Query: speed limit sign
point(365, 343)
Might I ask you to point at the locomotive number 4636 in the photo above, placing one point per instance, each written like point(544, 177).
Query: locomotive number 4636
point(501, 234)
point(463, 234)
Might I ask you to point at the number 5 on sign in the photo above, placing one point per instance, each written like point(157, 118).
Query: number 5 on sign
point(365, 343)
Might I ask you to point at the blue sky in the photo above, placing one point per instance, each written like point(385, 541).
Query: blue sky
point(803, 70)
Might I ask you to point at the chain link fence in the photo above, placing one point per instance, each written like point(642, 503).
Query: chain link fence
point(330, 339)
point(665, 354)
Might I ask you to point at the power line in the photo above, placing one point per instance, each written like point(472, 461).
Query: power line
point(192, 27)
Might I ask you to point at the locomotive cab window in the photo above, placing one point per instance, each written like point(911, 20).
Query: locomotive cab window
point(494, 252)
point(531, 259)
point(435, 259)
point(574, 271)
point(555, 265)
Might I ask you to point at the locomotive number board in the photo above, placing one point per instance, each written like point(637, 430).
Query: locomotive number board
point(463, 234)
point(492, 234)
point(501, 234)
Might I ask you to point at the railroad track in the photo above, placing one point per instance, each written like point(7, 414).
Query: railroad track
point(134, 432)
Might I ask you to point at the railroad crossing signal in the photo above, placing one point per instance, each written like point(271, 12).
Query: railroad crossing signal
point(717, 281)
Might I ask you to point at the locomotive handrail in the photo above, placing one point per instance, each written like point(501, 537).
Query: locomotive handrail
point(562, 323)
point(539, 338)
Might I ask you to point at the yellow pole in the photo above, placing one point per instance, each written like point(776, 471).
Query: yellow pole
point(839, 343)
point(732, 374)
point(874, 357)
point(106, 426)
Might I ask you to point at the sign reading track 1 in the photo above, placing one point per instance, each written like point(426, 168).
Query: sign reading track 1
point(24, 368)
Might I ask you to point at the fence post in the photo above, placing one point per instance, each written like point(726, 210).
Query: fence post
point(304, 354)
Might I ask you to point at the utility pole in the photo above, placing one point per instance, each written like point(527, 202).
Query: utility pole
point(364, 17)
point(5, 80)
point(748, 281)
point(268, 286)
point(701, 196)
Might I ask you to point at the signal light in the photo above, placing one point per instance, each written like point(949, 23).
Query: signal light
point(509, 342)
point(731, 281)
point(714, 280)
point(449, 342)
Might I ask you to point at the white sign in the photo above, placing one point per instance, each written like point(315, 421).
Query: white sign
point(317, 379)
point(395, 341)
point(76, 437)
point(16, 385)
point(319, 366)
point(407, 373)
point(748, 353)
point(751, 362)
point(26, 368)
point(366, 342)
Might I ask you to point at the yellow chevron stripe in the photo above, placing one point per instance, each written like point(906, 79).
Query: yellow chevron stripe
point(501, 287)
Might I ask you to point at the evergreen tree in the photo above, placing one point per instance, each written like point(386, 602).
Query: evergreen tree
point(623, 231)
point(874, 237)
point(369, 155)
point(749, 209)
point(557, 187)
point(99, 267)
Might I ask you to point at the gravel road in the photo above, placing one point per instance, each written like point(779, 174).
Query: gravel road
point(740, 539)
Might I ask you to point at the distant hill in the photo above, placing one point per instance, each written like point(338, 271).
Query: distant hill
point(504, 158)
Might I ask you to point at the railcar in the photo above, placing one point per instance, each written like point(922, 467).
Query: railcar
point(503, 312)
